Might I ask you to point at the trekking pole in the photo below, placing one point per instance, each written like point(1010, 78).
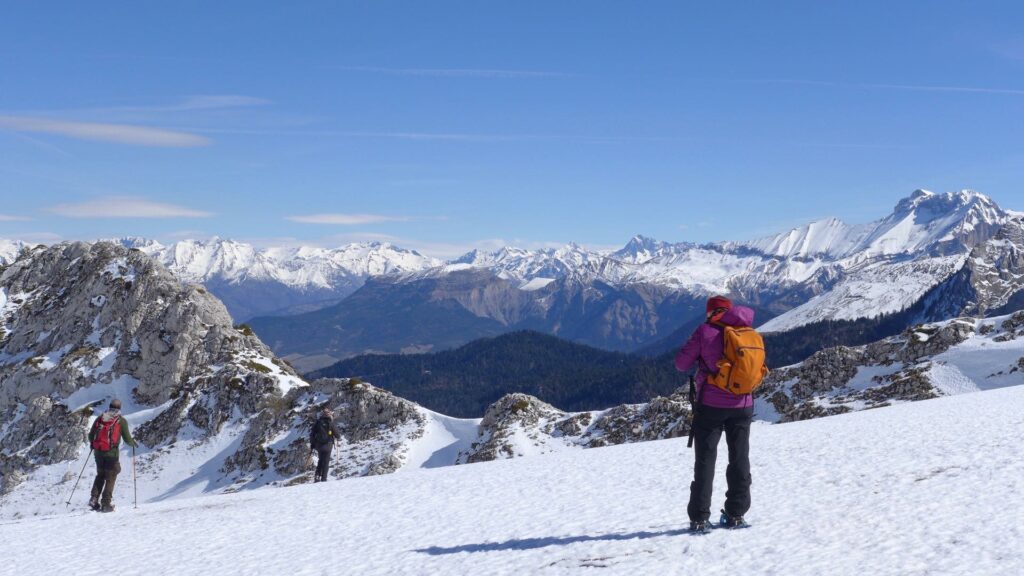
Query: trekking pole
point(693, 409)
point(135, 482)
point(79, 479)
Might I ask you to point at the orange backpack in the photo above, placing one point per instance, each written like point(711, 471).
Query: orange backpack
point(742, 368)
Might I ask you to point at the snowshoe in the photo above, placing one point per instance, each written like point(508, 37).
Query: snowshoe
point(702, 527)
point(732, 522)
point(94, 504)
point(107, 508)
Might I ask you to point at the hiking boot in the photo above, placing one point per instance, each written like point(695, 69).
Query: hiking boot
point(728, 521)
point(702, 527)
point(107, 508)
point(94, 504)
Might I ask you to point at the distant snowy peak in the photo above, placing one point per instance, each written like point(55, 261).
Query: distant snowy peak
point(924, 222)
point(9, 250)
point(938, 222)
point(642, 249)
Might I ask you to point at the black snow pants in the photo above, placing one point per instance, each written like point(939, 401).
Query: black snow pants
point(323, 462)
point(107, 470)
point(708, 425)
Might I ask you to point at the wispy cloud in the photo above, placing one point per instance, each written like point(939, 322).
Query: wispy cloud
point(347, 219)
point(118, 133)
point(193, 103)
point(125, 207)
point(40, 237)
point(468, 137)
point(10, 218)
point(880, 86)
point(456, 72)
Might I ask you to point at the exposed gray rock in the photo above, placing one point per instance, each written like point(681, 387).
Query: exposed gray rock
point(933, 339)
point(518, 424)
point(376, 427)
point(821, 385)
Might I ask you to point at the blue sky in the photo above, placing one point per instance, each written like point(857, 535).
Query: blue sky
point(443, 126)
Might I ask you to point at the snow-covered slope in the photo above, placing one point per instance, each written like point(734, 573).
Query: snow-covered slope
point(924, 488)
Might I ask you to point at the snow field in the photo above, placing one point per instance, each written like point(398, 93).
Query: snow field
point(930, 487)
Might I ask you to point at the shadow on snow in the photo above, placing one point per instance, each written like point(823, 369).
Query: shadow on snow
point(534, 543)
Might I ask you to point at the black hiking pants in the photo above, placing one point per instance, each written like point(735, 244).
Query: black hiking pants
point(323, 462)
point(708, 425)
point(107, 470)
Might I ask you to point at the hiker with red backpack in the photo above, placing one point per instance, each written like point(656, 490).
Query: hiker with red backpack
point(729, 357)
point(105, 439)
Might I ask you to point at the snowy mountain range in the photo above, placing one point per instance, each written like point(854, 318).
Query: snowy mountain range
point(254, 281)
point(944, 248)
point(633, 298)
point(216, 412)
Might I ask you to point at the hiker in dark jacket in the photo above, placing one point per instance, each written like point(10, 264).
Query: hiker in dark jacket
point(322, 437)
point(717, 410)
point(105, 438)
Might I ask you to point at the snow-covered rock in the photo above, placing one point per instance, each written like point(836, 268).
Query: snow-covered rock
point(926, 361)
point(521, 425)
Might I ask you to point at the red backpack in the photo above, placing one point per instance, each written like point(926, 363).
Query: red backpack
point(107, 434)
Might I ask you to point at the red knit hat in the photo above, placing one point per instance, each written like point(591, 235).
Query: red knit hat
point(716, 302)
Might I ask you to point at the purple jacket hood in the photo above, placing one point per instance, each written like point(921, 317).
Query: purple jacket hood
point(739, 316)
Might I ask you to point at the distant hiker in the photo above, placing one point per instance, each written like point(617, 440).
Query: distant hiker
point(321, 440)
point(729, 357)
point(105, 439)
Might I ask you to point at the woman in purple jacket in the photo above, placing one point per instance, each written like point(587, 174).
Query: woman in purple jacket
point(715, 411)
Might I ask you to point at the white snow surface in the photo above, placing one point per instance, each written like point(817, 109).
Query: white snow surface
point(925, 488)
point(879, 288)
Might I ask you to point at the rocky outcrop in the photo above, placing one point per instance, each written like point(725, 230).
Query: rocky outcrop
point(83, 323)
point(376, 428)
point(519, 425)
point(841, 379)
point(990, 279)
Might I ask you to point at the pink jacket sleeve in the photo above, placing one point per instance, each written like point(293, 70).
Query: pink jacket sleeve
point(688, 354)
